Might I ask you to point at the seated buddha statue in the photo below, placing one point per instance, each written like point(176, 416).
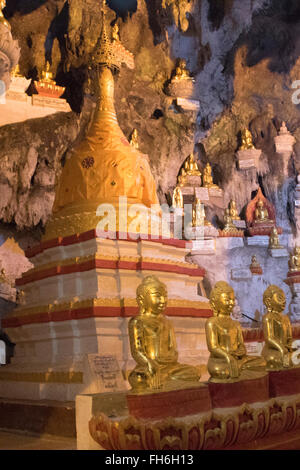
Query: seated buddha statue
point(181, 72)
point(277, 330)
point(228, 357)
point(181, 179)
point(261, 213)
point(274, 240)
point(207, 177)
point(228, 224)
point(115, 33)
point(233, 210)
point(247, 142)
point(191, 166)
point(294, 261)
point(153, 344)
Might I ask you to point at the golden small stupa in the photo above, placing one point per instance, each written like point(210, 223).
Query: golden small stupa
point(103, 166)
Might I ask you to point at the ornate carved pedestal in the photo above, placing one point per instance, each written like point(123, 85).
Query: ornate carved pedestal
point(174, 403)
point(227, 395)
point(284, 382)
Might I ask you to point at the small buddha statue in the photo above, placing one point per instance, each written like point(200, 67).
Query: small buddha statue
point(198, 214)
point(115, 33)
point(277, 330)
point(3, 278)
point(153, 343)
point(207, 177)
point(228, 224)
point(181, 180)
point(294, 261)
point(16, 71)
point(274, 240)
point(254, 262)
point(247, 142)
point(191, 167)
point(177, 198)
point(261, 213)
point(181, 72)
point(2, 19)
point(228, 357)
point(47, 76)
point(233, 210)
point(134, 139)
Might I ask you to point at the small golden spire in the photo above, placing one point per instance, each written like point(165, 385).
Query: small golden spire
point(2, 19)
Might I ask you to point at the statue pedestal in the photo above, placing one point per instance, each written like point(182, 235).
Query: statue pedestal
point(278, 252)
point(239, 224)
point(248, 158)
point(284, 382)
point(258, 240)
point(230, 394)
point(173, 403)
point(263, 229)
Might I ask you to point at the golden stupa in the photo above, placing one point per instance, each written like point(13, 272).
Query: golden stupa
point(103, 166)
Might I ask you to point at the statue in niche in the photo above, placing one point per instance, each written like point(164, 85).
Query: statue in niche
point(153, 343)
point(207, 177)
point(261, 212)
point(191, 166)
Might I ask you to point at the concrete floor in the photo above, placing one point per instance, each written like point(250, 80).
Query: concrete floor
point(21, 441)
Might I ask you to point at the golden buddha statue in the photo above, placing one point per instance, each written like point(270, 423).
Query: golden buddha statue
point(134, 139)
point(261, 213)
point(153, 344)
point(207, 177)
point(198, 214)
point(181, 72)
point(277, 329)
point(294, 261)
point(181, 180)
point(247, 142)
point(228, 224)
point(177, 198)
point(228, 359)
point(233, 212)
point(274, 240)
point(191, 166)
point(115, 33)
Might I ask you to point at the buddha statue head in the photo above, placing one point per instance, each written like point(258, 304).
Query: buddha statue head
point(151, 296)
point(274, 299)
point(222, 299)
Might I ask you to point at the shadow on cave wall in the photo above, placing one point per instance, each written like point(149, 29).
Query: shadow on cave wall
point(24, 7)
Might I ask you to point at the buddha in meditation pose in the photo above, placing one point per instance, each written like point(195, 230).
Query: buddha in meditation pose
point(228, 224)
point(191, 166)
point(181, 180)
point(233, 210)
point(228, 357)
point(274, 240)
point(181, 72)
point(247, 142)
point(134, 139)
point(277, 329)
point(207, 177)
point(153, 344)
point(294, 261)
point(261, 212)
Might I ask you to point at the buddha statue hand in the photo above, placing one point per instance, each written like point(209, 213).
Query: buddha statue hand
point(233, 366)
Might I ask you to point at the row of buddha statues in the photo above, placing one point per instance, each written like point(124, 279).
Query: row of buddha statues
point(153, 342)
